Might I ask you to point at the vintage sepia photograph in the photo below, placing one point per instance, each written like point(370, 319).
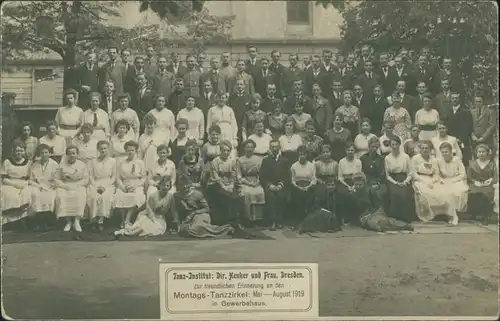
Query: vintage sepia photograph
point(231, 160)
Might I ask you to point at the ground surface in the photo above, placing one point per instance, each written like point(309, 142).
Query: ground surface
point(437, 271)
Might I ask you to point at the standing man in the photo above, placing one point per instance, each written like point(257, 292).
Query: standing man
point(484, 123)
point(292, 73)
point(421, 74)
point(192, 77)
point(163, 81)
point(150, 63)
point(442, 101)
point(200, 62)
point(215, 76)
point(454, 76)
point(307, 62)
point(388, 74)
point(460, 125)
point(87, 80)
point(226, 68)
point(316, 75)
point(178, 97)
point(279, 73)
point(112, 70)
point(128, 72)
point(241, 74)
point(298, 98)
point(264, 77)
point(253, 63)
point(144, 97)
point(109, 101)
point(175, 66)
point(368, 79)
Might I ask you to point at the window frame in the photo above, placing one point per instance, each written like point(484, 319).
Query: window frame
point(297, 22)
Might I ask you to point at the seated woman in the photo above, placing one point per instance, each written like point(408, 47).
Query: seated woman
point(348, 166)
point(252, 116)
point(56, 142)
point(222, 191)
point(261, 140)
point(482, 174)
point(149, 142)
point(16, 192)
point(454, 182)
point(303, 181)
point(412, 145)
point(290, 141)
point(130, 177)
point(326, 177)
point(72, 181)
point(152, 220)
point(163, 167)
point(338, 137)
point(27, 139)
point(248, 168)
point(429, 197)
point(400, 192)
point(178, 145)
point(164, 119)
point(87, 145)
point(370, 212)
point(364, 136)
point(119, 139)
point(372, 165)
point(42, 180)
point(385, 139)
point(209, 152)
point(350, 113)
point(191, 164)
point(194, 213)
point(102, 187)
point(312, 142)
point(443, 137)
point(195, 127)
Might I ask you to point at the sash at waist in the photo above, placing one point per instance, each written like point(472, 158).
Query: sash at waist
point(399, 177)
point(427, 127)
point(425, 174)
point(68, 127)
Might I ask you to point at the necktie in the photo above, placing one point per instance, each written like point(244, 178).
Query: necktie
point(479, 111)
point(94, 122)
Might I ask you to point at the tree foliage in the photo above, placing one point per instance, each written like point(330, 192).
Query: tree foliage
point(466, 31)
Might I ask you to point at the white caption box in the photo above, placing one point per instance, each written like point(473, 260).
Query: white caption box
point(238, 291)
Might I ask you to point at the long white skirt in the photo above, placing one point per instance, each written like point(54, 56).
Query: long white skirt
point(128, 200)
point(12, 197)
point(148, 226)
point(99, 135)
point(43, 201)
point(100, 205)
point(71, 203)
point(427, 134)
point(430, 202)
point(68, 134)
point(457, 195)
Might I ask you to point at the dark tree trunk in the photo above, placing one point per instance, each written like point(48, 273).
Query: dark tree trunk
point(70, 50)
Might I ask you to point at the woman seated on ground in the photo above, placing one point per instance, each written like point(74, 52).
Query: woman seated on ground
point(87, 145)
point(223, 191)
point(482, 174)
point(443, 137)
point(454, 182)
point(152, 220)
point(311, 141)
point(178, 145)
point(193, 213)
point(248, 168)
point(429, 196)
point(338, 137)
point(102, 187)
point(326, 177)
point(191, 164)
point(362, 139)
point(290, 141)
point(209, 152)
point(399, 190)
point(56, 142)
point(119, 139)
point(348, 166)
point(261, 140)
point(130, 177)
point(412, 145)
point(370, 211)
point(372, 165)
point(27, 139)
point(163, 167)
point(15, 192)
point(149, 142)
point(72, 182)
point(303, 181)
point(42, 180)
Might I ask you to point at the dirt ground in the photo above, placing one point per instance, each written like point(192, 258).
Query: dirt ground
point(379, 275)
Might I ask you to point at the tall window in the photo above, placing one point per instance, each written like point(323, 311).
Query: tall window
point(297, 12)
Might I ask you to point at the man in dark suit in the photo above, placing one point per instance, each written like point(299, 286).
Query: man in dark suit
point(307, 63)
point(327, 61)
point(401, 72)
point(192, 77)
point(322, 111)
point(407, 101)
point(112, 70)
point(298, 97)
point(217, 78)
point(366, 55)
point(178, 97)
point(268, 102)
point(129, 85)
point(335, 96)
point(144, 96)
point(274, 177)
point(361, 101)
point(453, 75)
point(87, 80)
point(175, 66)
point(109, 100)
point(442, 101)
point(378, 104)
point(279, 73)
point(460, 125)
point(252, 64)
point(150, 62)
point(163, 80)
point(348, 75)
point(206, 99)
point(388, 74)
point(200, 62)
point(419, 98)
point(316, 75)
point(484, 123)
point(368, 79)
point(292, 73)
point(238, 101)
point(264, 77)
point(421, 74)
point(241, 74)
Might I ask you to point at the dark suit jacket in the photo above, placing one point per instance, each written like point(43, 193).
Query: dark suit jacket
point(455, 79)
point(86, 77)
point(417, 76)
point(442, 103)
point(459, 124)
point(129, 78)
point(218, 80)
point(290, 76)
point(163, 83)
point(143, 104)
point(262, 81)
point(115, 73)
point(365, 109)
point(289, 105)
point(249, 81)
point(484, 123)
point(377, 110)
point(177, 101)
point(204, 104)
point(348, 77)
point(324, 79)
point(274, 171)
point(181, 70)
point(335, 101)
point(239, 105)
point(114, 103)
point(388, 82)
point(322, 115)
point(409, 104)
point(368, 84)
point(268, 104)
point(253, 69)
point(279, 78)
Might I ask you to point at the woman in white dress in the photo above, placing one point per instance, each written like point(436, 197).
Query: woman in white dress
point(130, 177)
point(165, 119)
point(72, 181)
point(430, 199)
point(43, 177)
point(69, 118)
point(362, 139)
point(162, 167)
point(86, 143)
point(427, 119)
point(195, 118)
point(16, 192)
point(261, 140)
point(443, 137)
point(98, 118)
point(152, 220)
point(102, 173)
point(128, 114)
point(119, 139)
point(56, 142)
point(400, 118)
point(290, 141)
point(223, 116)
point(454, 181)
point(149, 142)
